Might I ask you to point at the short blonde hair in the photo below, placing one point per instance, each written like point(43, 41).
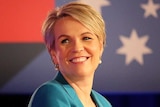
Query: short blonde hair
point(83, 13)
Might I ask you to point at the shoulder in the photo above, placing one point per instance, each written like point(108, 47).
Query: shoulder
point(49, 94)
point(49, 88)
point(101, 99)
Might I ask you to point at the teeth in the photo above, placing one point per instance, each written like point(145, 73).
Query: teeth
point(81, 59)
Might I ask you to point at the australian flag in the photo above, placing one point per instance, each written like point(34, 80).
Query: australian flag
point(130, 62)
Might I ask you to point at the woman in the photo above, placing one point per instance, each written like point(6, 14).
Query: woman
point(75, 38)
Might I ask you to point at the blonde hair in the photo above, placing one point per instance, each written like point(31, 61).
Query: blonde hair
point(83, 13)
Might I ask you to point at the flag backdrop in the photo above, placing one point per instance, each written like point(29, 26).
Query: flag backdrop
point(130, 63)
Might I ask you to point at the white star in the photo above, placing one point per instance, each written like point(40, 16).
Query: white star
point(150, 9)
point(134, 47)
point(97, 4)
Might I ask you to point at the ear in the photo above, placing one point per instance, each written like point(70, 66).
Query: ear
point(101, 49)
point(53, 56)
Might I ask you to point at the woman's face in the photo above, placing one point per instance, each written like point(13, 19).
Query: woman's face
point(77, 49)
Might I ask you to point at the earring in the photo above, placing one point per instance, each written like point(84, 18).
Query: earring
point(56, 67)
point(100, 61)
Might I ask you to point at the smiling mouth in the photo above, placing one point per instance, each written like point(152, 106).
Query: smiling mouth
point(78, 59)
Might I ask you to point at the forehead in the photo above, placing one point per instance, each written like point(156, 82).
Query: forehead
point(68, 25)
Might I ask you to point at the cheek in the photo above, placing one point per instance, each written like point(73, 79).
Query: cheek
point(61, 54)
point(96, 49)
point(95, 52)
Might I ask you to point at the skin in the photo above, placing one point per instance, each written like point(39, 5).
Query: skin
point(77, 52)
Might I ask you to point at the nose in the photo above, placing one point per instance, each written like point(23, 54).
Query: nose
point(78, 46)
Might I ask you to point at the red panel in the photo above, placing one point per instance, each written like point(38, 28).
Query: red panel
point(21, 20)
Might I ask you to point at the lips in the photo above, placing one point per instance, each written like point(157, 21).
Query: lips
point(79, 59)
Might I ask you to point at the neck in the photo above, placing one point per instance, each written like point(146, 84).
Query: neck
point(83, 87)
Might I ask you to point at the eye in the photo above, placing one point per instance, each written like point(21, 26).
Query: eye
point(65, 41)
point(86, 38)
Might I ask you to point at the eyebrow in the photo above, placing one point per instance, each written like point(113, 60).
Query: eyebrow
point(87, 33)
point(64, 35)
